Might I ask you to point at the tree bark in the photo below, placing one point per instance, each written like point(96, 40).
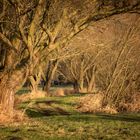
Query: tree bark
point(81, 77)
point(51, 72)
point(7, 101)
point(34, 85)
point(9, 84)
point(91, 85)
point(34, 82)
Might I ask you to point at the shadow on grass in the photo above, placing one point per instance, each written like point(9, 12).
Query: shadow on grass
point(51, 103)
point(80, 117)
point(120, 117)
point(42, 108)
point(54, 107)
point(89, 118)
point(48, 102)
point(23, 91)
point(33, 113)
point(13, 138)
point(93, 117)
point(58, 102)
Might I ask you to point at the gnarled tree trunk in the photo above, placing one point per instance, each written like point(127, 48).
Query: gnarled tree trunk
point(7, 101)
point(9, 84)
point(34, 81)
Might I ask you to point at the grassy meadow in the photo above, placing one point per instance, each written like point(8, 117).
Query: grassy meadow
point(56, 118)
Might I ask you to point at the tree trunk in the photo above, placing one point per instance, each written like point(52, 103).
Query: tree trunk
point(7, 101)
point(51, 72)
point(81, 77)
point(76, 87)
point(81, 84)
point(91, 85)
point(9, 84)
point(48, 85)
point(34, 81)
point(34, 86)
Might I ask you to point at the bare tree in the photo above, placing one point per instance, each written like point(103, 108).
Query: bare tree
point(57, 56)
point(124, 66)
point(112, 68)
point(118, 65)
point(80, 70)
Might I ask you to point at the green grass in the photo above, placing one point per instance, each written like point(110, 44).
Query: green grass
point(24, 90)
point(55, 118)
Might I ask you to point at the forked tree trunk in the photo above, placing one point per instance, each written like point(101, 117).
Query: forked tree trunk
point(35, 82)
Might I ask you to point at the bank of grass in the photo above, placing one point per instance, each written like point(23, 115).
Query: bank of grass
point(55, 118)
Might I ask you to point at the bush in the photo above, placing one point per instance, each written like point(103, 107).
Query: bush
point(91, 103)
point(131, 105)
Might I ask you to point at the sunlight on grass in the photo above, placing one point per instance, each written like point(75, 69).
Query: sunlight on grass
point(55, 118)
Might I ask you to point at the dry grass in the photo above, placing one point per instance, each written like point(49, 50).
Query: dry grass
point(38, 94)
point(29, 96)
point(110, 110)
point(132, 105)
point(93, 103)
point(90, 103)
point(59, 92)
point(69, 91)
point(62, 92)
point(17, 116)
point(4, 118)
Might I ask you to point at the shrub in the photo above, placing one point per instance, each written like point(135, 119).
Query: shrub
point(90, 103)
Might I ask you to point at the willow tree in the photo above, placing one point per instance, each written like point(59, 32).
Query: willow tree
point(29, 30)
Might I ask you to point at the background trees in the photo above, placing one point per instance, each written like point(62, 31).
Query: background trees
point(112, 63)
point(55, 58)
point(80, 70)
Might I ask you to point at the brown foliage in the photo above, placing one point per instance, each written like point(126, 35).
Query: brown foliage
point(29, 96)
point(69, 91)
point(58, 92)
point(131, 105)
point(62, 92)
point(91, 103)
point(18, 116)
